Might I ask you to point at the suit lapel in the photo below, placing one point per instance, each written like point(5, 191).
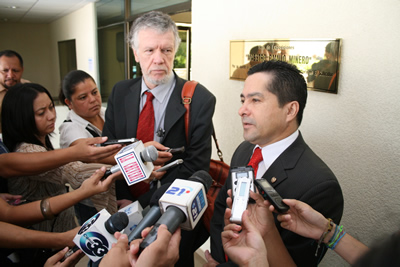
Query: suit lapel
point(132, 102)
point(276, 173)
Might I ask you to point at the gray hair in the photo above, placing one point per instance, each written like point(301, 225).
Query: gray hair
point(153, 20)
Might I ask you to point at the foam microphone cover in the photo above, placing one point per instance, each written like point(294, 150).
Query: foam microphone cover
point(202, 177)
point(149, 154)
point(117, 222)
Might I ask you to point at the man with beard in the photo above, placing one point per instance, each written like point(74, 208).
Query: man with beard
point(11, 69)
point(154, 39)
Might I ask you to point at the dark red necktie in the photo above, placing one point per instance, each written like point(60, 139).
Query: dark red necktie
point(255, 160)
point(145, 133)
point(145, 128)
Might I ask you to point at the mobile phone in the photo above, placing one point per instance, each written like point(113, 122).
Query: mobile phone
point(170, 165)
point(177, 150)
point(269, 193)
point(240, 172)
point(241, 200)
point(119, 141)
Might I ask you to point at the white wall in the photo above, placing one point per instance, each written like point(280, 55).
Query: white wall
point(356, 132)
point(80, 25)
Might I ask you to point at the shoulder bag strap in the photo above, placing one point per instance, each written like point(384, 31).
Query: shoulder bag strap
point(187, 93)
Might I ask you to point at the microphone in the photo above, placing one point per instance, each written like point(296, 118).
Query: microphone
point(117, 222)
point(97, 234)
point(183, 204)
point(147, 154)
point(152, 215)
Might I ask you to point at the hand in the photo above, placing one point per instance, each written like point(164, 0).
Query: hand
point(118, 254)
point(70, 261)
point(68, 237)
point(122, 203)
point(94, 185)
point(303, 220)
point(210, 260)
point(163, 156)
point(244, 244)
point(86, 150)
point(166, 247)
point(10, 199)
point(259, 214)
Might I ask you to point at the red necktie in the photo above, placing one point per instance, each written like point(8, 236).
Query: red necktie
point(255, 160)
point(145, 132)
point(145, 128)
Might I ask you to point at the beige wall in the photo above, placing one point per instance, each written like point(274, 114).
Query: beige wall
point(32, 42)
point(38, 45)
point(356, 131)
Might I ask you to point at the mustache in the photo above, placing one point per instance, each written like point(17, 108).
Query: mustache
point(157, 69)
point(247, 120)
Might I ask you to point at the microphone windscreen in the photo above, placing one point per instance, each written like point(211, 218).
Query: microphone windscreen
point(158, 194)
point(202, 177)
point(117, 222)
point(149, 154)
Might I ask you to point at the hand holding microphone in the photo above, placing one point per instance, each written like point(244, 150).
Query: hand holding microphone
point(183, 204)
point(97, 234)
point(135, 162)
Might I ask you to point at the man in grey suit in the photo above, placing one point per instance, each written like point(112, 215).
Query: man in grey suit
point(154, 39)
point(273, 100)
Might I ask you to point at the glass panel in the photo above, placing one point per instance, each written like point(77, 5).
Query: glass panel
point(140, 6)
point(111, 58)
point(110, 12)
point(182, 57)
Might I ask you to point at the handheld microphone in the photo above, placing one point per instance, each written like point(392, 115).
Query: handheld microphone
point(130, 160)
point(152, 215)
point(97, 234)
point(183, 204)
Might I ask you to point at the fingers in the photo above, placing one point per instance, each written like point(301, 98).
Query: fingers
point(74, 258)
point(227, 216)
point(257, 197)
point(56, 257)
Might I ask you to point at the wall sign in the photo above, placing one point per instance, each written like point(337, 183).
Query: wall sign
point(318, 59)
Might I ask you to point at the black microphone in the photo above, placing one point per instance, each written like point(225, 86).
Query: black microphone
point(149, 154)
point(151, 216)
point(183, 204)
point(117, 222)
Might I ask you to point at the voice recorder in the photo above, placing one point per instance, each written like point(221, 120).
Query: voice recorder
point(241, 172)
point(269, 193)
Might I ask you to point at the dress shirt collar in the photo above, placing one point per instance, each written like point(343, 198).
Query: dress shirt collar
point(273, 151)
point(160, 92)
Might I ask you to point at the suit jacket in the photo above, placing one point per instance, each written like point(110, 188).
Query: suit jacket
point(121, 120)
point(300, 174)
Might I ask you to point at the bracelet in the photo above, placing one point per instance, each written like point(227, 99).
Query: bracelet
point(334, 245)
point(336, 238)
point(46, 209)
point(330, 226)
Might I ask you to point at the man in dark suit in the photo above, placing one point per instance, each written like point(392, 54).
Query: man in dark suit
point(273, 99)
point(154, 39)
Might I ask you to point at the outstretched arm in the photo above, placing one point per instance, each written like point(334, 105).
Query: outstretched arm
point(12, 236)
point(25, 164)
point(305, 221)
point(30, 213)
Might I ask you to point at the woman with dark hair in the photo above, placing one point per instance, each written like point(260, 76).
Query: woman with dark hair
point(86, 116)
point(85, 119)
point(28, 116)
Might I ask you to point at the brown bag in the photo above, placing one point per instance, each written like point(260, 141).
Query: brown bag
point(219, 170)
